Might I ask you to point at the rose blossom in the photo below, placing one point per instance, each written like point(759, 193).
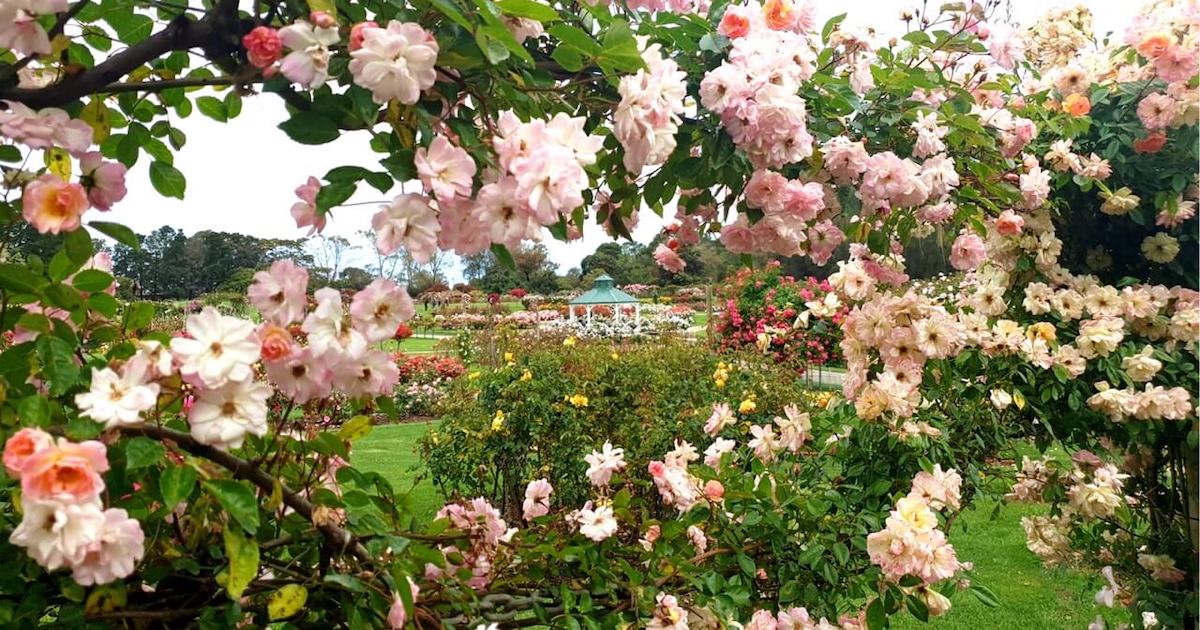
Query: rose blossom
point(118, 399)
point(52, 205)
point(105, 181)
point(118, 547)
point(263, 46)
point(219, 348)
point(407, 221)
point(379, 308)
point(668, 259)
point(396, 62)
point(305, 211)
point(21, 446)
point(967, 252)
point(66, 471)
point(308, 63)
point(537, 499)
point(280, 293)
point(1009, 223)
point(57, 534)
point(276, 342)
point(444, 169)
point(222, 416)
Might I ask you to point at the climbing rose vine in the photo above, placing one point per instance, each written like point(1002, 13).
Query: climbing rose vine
point(186, 476)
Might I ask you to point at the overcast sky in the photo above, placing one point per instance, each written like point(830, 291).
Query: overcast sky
point(241, 174)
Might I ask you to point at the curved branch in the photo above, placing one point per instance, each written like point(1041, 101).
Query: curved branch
point(242, 469)
point(182, 33)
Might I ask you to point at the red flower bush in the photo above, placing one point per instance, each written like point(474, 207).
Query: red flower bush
point(403, 331)
point(761, 309)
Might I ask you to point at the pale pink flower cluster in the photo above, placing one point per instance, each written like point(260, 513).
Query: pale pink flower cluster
point(754, 92)
point(1049, 538)
point(1152, 403)
point(304, 211)
point(64, 524)
point(1015, 132)
point(906, 331)
point(912, 544)
point(1061, 158)
point(893, 182)
point(793, 222)
point(1098, 493)
point(604, 463)
point(396, 62)
point(308, 62)
point(1161, 568)
point(939, 488)
point(1032, 480)
point(44, 128)
point(596, 522)
point(647, 118)
point(20, 30)
point(675, 484)
point(929, 135)
point(486, 533)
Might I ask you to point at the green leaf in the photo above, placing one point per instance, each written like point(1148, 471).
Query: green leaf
point(355, 428)
point(141, 452)
point(877, 242)
point(238, 500)
point(528, 9)
point(10, 153)
point(288, 600)
point(335, 194)
point(620, 52)
point(117, 232)
point(92, 280)
point(242, 553)
point(176, 484)
point(841, 552)
point(310, 128)
point(985, 595)
point(449, 9)
point(213, 107)
point(504, 256)
point(78, 245)
point(18, 279)
point(876, 615)
point(167, 180)
point(576, 38)
point(348, 582)
point(34, 410)
point(138, 315)
point(58, 363)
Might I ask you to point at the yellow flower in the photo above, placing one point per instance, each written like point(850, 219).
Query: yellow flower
point(615, 356)
point(498, 421)
point(569, 342)
point(1041, 330)
point(473, 375)
point(578, 400)
point(720, 383)
point(508, 356)
point(526, 376)
point(747, 406)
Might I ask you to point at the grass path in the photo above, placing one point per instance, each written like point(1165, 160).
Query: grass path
point(1031, 597)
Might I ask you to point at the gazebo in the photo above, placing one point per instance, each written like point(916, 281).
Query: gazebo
point(603, 293)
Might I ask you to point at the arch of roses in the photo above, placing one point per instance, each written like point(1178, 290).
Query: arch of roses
point(170, 477)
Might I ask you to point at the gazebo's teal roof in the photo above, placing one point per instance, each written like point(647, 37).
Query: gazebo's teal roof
point(603, 292)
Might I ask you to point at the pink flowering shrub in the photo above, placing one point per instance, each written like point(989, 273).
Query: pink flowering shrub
point(790, 321)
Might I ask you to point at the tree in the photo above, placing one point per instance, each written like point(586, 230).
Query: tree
point(329, 253)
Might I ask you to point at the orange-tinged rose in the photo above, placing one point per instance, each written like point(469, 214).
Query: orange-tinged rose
point(1152, 143)
point(1154, 45)
point(780, 15)
point(52, 205)
point(1077, 105)
point(734, 25)
point(276, 342)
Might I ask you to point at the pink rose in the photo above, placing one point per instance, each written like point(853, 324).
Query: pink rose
point(1009, 223)
point(65, 471)
point(714, 490)
point(668, 259)
point(968, 252)
point(105, 181)
point(322, 19)
point(21, 446)
point(357, 34)
point(263, 46)
point(52, 205)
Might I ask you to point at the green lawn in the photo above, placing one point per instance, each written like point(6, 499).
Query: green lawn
point(412, 344)
point(1030, 596)
point(390, 450)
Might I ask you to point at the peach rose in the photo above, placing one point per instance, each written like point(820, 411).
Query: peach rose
point(780, 15)
point(713, 490)
point(1152, 143)
point(52, 205)
point(65, 471)
point(1077, 105)
point(1009, 223)
point(1154, 44)
point(276, 342)
point(21, 446)
point(263, 46)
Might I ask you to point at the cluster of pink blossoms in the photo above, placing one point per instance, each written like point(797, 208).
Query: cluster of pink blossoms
point(64, 524)
point(486, 532)
point(49, 203)
point(20, 30)
point(647, 118)
point(754, 90)
point(798, 618)
point(911, 543)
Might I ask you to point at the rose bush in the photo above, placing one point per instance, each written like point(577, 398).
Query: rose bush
point(184, 476)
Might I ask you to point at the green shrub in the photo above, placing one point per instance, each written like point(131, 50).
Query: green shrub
point(518, 421)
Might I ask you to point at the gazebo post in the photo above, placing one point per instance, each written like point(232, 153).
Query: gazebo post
point(637, 314)
point(589, 315)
